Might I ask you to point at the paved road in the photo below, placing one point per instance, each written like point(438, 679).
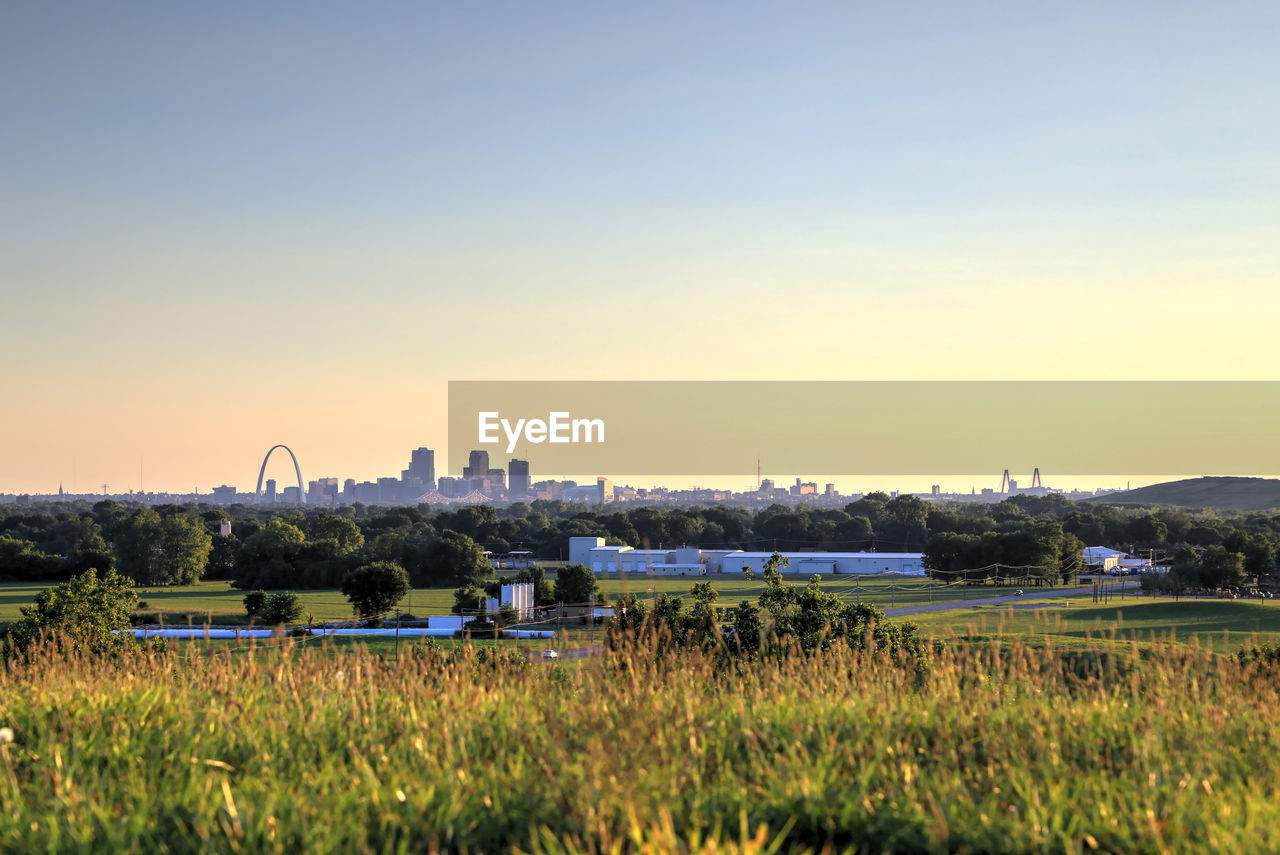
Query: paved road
point(1037, 594)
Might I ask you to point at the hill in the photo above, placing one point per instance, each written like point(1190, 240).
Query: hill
point(1229, 494)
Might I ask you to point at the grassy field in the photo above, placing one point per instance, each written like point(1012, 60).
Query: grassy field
point(299, 749)
point(1218, 624)
point(215, 600)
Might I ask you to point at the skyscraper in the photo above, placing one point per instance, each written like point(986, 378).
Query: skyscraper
point(422, 465)
point(518, 478)
point(477, 465)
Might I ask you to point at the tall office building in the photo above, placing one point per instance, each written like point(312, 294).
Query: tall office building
point(422, 465)
point(271, 490)
point(477, 465)
point(518, 478)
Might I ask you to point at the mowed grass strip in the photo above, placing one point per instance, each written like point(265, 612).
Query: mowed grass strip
point(995, 749)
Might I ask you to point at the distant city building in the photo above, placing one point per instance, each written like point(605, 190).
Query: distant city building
point(451, 488)
point(518, 478)
point(480, 478)
point(477, 465)
point(224, 495)
point(549, 489)
point(412, 487)
point(805, 488)
point(388, 490)
point(322, 491)
point(271, 490)
point(422, 465)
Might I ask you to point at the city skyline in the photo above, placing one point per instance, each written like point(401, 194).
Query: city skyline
point(421, 471)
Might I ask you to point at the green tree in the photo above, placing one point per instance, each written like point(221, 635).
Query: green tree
point(507, 615)
point(452, 559)
point(253, 602)
point(777, 596)
point(268, 557)
point(344, 534)
point(22, 561)
point(466, 598)
point(169, 550)
point(814, 621)
point(700, 623)
point(576, 584)
point(747, 628)
point(1148, 529)
point(1220, 568)
point(87, 611)
point(280, 608)
point(905, 518)
point(222, 557)
point(374, 589)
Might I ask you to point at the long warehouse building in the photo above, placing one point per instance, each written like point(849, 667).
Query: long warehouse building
point(693, 561)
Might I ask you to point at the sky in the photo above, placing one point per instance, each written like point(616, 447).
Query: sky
point(232, 225)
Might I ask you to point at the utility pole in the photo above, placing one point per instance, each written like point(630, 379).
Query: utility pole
point(397, 635)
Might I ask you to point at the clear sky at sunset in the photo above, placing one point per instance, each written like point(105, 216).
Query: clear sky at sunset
point(224, 226)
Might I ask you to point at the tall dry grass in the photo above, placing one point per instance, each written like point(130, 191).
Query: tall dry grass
point(995, 749)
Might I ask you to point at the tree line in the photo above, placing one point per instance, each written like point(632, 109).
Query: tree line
point(272, 548)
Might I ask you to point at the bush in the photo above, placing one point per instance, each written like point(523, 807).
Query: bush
point(253, 602)
point(87, 611)
point(280, 608)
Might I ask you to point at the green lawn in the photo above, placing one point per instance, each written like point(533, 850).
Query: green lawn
point(218, 600)
point(1221, 624)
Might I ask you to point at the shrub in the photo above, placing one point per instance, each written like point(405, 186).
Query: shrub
point(280, 608)
point(253, 602)
point(87, 611)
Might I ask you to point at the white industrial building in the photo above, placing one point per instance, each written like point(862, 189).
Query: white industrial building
point(827, 563)
point(1102, 558)
point(692, 561)
point(519, 596)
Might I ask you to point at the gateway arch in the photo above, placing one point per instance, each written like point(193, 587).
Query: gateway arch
point(302, 493)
